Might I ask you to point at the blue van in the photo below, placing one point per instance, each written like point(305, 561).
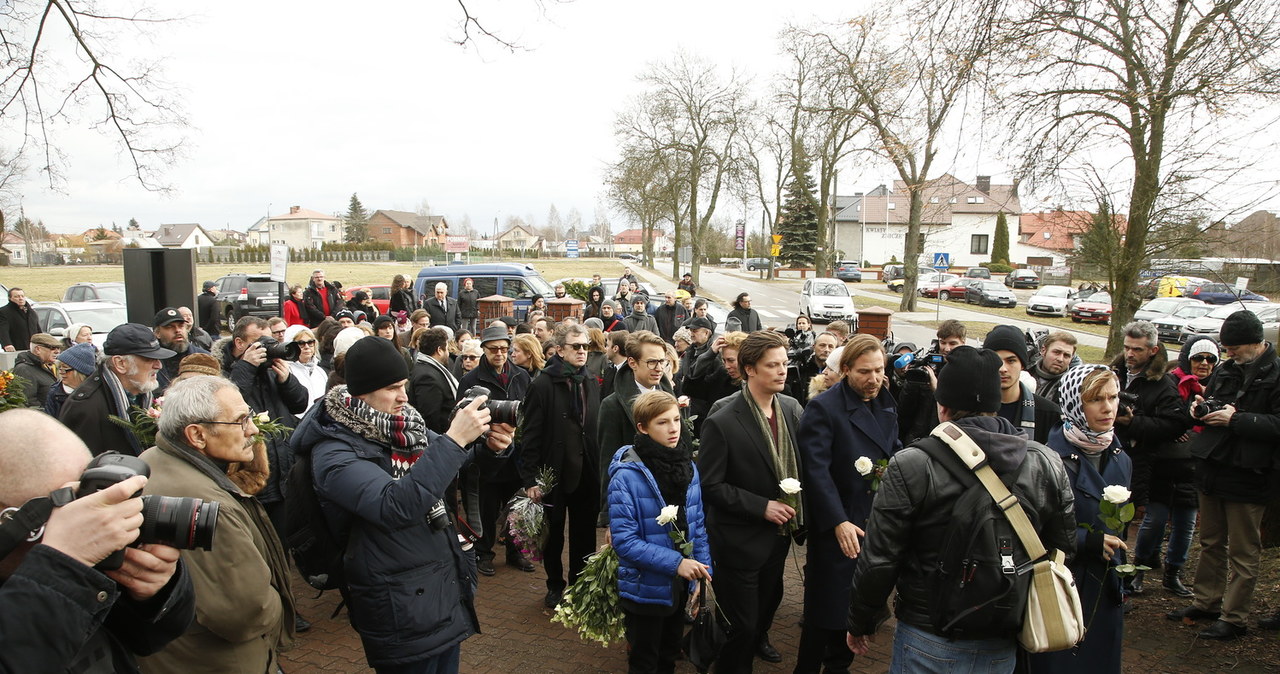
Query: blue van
point(517, 281)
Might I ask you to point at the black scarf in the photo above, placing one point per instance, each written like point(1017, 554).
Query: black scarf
point(672, 467)
point(573, 376)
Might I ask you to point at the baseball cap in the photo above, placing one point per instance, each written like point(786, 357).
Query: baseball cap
point(166, 316)
point(133, 339)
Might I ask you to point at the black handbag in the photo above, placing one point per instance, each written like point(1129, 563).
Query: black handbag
point(710, 632)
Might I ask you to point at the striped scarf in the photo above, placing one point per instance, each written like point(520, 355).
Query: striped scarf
point(405, 433)
point(123, 401)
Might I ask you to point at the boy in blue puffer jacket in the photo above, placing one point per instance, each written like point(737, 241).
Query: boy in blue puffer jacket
point(654, 490)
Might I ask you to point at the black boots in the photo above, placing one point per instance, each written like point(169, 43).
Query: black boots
point(1173, 581)
point(1134, 585)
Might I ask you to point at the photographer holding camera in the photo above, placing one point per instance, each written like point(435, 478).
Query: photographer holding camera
point(244, 607)
point(381, 477)
point(1236, 476)
point(917, 410)
point(57, 612)
point(267, 384)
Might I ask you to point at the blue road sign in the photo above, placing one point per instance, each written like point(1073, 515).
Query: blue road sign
point(942, 260)
point(571, 248)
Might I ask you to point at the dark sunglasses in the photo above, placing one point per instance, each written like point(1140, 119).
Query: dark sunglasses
point(1202, 357)
point(306, 342)
point(470, 357)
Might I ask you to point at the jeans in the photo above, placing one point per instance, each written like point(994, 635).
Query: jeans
point(1151, 534)
point(918, 652)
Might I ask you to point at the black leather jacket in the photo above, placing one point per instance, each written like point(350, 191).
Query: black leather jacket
point(913, 509)
point(1240, 462)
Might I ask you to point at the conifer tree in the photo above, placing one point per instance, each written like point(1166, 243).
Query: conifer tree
point(798, 221)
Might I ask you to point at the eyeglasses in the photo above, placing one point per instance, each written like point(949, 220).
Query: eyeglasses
point(656, 363)
point(306, 342)
point(1204, 357)
point(578, 347)
point(277, 332)
point(497, 349)
point(464, 357)
point(245, 422)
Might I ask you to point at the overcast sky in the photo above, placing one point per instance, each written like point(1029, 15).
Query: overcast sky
point(303, 103)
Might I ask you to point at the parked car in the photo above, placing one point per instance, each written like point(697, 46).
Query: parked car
point(1221, 293)
point(87, 292)
point(1051, 301)
point(897, 271)
point(990, 293)
point(520, 282)
point(933, 282)
point(848, 271)
point(1210, 323)
point(1170, 327)
point(955, 291)
point(978, 272)
point(826, 299)
point(754, 263)
point(1022, 278)
point(100, 315)
point(241, 295)
point(1161, 307)
point(1095, 309)
point(379, 293)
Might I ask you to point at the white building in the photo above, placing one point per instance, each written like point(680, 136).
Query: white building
point(299, 228)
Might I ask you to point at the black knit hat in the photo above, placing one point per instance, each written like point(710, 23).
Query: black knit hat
point(970, 381)
point(1007, 338)
point(372, 363)
point(1242, 327)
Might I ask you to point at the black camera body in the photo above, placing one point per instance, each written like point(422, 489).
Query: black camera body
point(500, 411)
point(924, 358)
point(1208, 405)
point(1128, 402)
point(288, 351)
point(179, 522)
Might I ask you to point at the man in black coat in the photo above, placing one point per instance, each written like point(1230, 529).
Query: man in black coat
point(207, 305)
point(441, 309)
point(714, 376)
point(18, 321)
point(1237, 474)
point(57, 612)
point(1035, 414)
point(748, 449)
point(845, 429)
point(126, 377)
point(432, 387)
point(1151, 415)
point(670, 315)
point(559, 433)
point(320, 300)
point(809, 364)
point(617, 353)
point(498, 479)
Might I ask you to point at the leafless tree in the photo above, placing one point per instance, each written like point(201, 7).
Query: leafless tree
point(1166, 84)
point(909, 66)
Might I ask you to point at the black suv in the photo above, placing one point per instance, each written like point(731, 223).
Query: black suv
point(241, 295)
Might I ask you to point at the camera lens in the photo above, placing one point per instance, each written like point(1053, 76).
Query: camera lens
point(503, 411)
point(182, 523)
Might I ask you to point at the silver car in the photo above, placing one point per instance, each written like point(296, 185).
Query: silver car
point(100, 315)
point(1211, 323)
point(1170, 327)
point(1051, 301)
point(1161, 307)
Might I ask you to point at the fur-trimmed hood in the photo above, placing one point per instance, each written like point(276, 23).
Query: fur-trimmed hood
point(1156, 367)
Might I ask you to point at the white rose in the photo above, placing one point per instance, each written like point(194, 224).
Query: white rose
point(263, 417)
point(863, 465)
point(790, 486)
point(668, 514)
point(1116, 494)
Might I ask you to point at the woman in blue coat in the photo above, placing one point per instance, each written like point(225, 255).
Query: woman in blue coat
point(855, 418)
point(654, 490)
point(1094, 461)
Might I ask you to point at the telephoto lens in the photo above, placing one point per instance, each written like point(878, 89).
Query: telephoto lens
point(179, 522)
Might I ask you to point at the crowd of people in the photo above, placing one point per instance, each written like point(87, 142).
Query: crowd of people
point(705, 452)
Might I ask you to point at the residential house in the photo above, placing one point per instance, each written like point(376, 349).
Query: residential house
point(20, 253)
point(1256, 235)
point(183, 236)
point(403, 229)
point(520, 237)
point(958, 219)
point(632, 241)
point(300, 228)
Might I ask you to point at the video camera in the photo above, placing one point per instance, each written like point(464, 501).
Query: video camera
point(914, 364)
point(179, 522)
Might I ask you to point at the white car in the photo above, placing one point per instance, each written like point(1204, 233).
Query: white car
point(1051, 301)
point(100, 315)
point(827, 299)
point(1211, 323)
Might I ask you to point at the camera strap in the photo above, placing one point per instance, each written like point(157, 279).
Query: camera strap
point(26, 524)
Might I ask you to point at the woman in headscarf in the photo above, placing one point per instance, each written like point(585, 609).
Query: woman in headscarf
point(1096, 466)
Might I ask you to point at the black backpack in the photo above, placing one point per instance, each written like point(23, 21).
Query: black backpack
point(979, 585)
point(314, 548)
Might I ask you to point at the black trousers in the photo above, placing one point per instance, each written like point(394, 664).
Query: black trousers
point(749, 597)
point(493, 501)
point(823, 650)
point(580, 507)
point(654, 641)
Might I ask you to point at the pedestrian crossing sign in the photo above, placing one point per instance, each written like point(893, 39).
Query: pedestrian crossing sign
point(942, 260)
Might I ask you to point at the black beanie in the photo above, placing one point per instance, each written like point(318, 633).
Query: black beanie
point(372, 363)
point(1007, 338)
point(1242, 327)
point(970, 381)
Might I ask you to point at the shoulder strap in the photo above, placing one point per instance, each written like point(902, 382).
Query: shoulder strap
point(973, 457)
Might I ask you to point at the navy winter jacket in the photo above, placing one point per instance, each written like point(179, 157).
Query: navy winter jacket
point(411, 594)
point(647, 557)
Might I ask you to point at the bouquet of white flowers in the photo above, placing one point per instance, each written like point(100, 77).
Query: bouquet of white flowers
point(591, 604)
point(527, 520)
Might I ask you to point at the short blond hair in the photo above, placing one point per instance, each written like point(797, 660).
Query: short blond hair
point(734, 340)
point(650, 404)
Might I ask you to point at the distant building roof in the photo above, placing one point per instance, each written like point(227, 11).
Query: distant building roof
point(943, 196)
point(1056, 230)
point(631, 237)
point(175, 235)
point(422, 224)
point(300, 213)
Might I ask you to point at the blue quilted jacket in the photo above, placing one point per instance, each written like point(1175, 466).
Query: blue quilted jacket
point(647, 556)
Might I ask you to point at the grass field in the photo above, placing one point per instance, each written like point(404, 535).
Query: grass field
point(47, 284)
point(978, 330)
